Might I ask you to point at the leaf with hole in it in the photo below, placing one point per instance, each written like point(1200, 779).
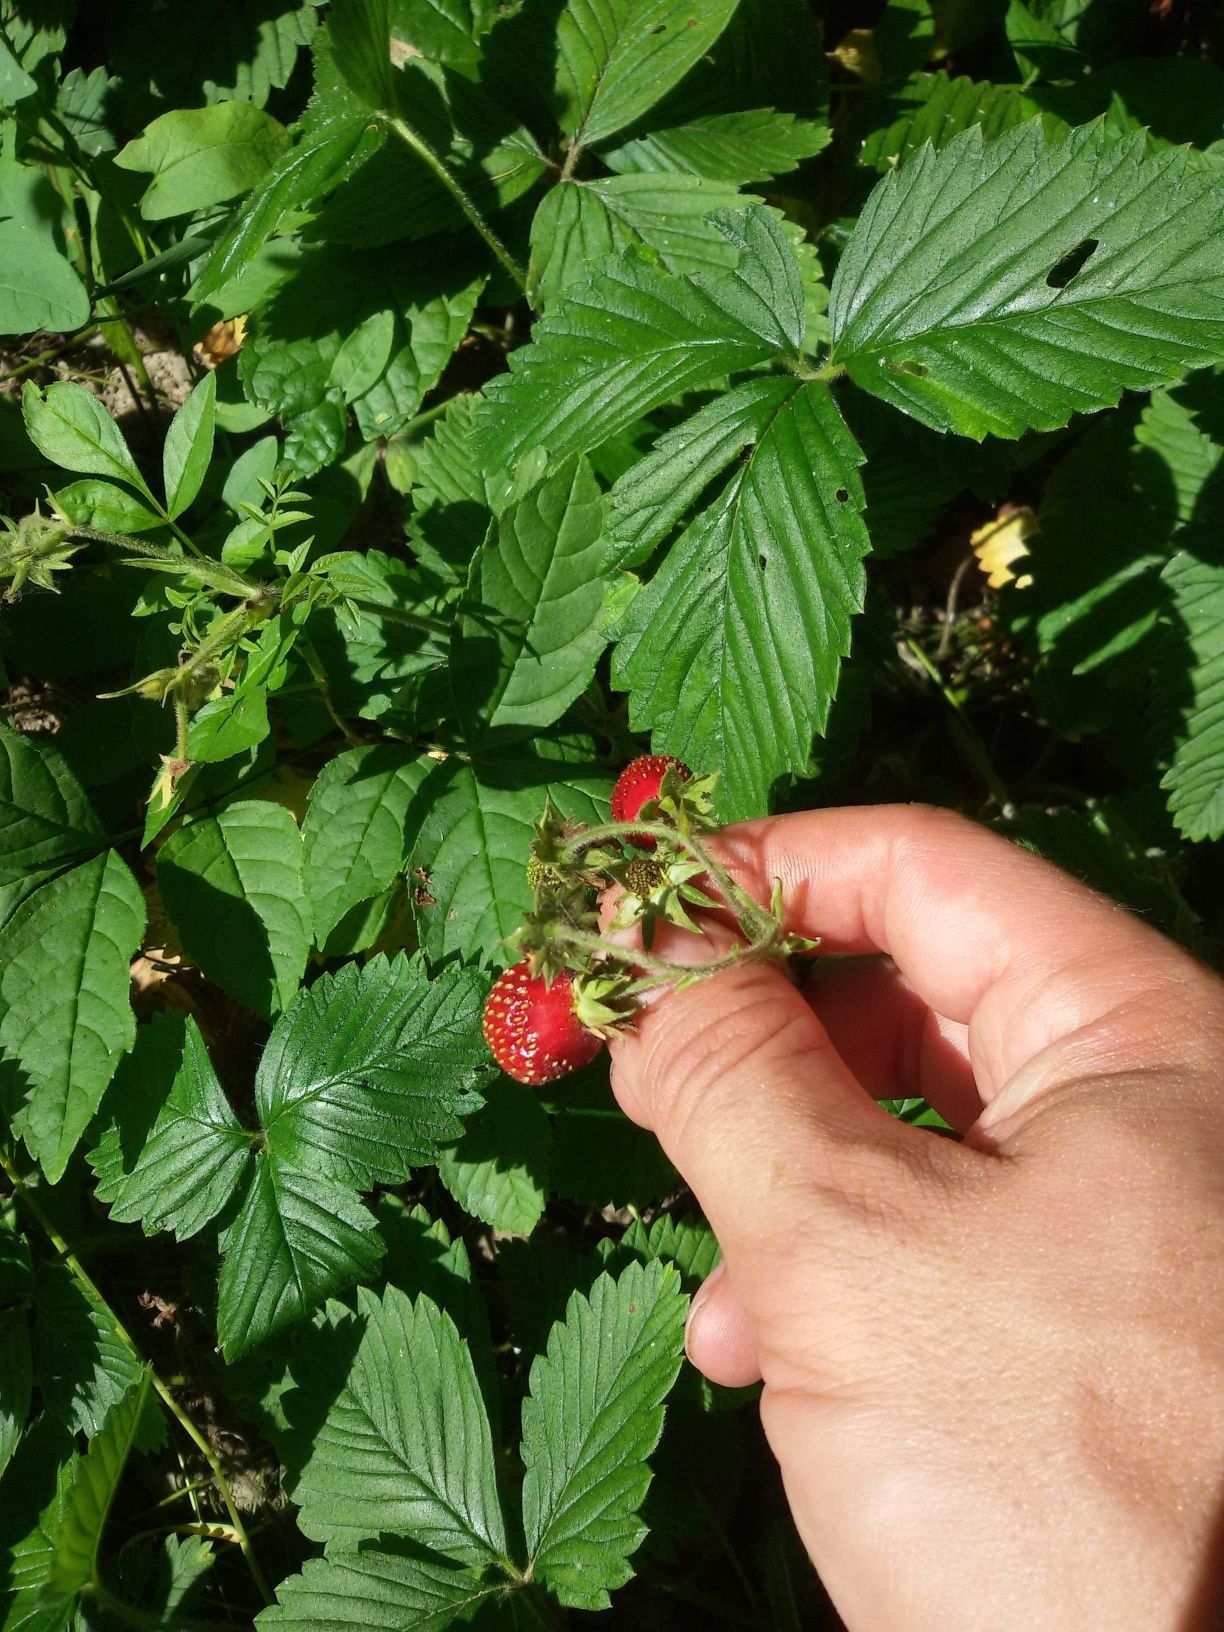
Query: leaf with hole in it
point(189, 446)
point(355, 828)
point(499, 1170)
point(298, 1237)
point(736, 147)
point(201, 156)
point(593, 1416)
point(527, 635)
point(635, 336)
point(232, 885)
point(371, 1069)
point(406, 1449)
point(997, 287)
point(731, 653)
point(46, 818)
point(617, 58)
point(65, 1015)
point(69, 426)
point(173, 1152)
point(376, 1591)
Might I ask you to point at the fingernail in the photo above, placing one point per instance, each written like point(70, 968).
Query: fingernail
point(700, 1299)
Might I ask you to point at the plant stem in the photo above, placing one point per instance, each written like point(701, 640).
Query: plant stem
point(636, 958)
point(396, 614)
point(73, 1263)
point(182, 726)
point(972, 746)
point(422, 149)
point(213, 573)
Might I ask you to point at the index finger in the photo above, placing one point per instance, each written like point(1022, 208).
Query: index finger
point(986, 933)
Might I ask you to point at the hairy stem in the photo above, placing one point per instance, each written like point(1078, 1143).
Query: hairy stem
point(77, 1269)
point(215, 574)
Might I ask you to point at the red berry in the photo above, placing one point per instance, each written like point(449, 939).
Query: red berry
point(638, 782)
point(531, 1028)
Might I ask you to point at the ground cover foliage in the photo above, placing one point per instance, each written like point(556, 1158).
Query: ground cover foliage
point(411, 410)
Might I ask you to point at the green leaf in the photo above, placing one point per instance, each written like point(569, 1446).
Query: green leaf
point(355, 829)
point(593, 1416)
point(731, 653)
point(499, 1170)
point(996, 287)
point(406, 1448)
point(382, 1592)
point(688, 1244)
point(936, 107)
point(297, 1238)
point(84, 1366)
point(233, 887)
point(363, 355)
point(1041, 50)
point(1194, 697)
point(174, 1152)
point(580, 224)
point(360, 33)
point(1175, 455)
point(617, 58)
point(528, 633)
point(600, 1158)
point(45, 814)
point(371, 1070)
point(203, 156)
point(189, 446)
point(16, 1381)
point(307, 171)
point(91, 502)
point(65, 1015)
point(469, 852)
point(69, 426)
point(736, 147)
point(39, 288)
point(634, 337)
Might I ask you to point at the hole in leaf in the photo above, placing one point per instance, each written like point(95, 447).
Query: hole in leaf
point(918, 370)
point(661, 29)
point(1063, 271)
point(841, 495)
point(762, 562)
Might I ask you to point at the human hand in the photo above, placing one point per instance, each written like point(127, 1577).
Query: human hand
point(993, 1369)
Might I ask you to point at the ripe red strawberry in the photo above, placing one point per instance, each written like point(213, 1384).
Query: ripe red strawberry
point(639, 781)
point(531, 1028)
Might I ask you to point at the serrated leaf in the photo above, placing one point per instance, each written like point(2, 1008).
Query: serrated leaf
point(406, 1448)
point(1176, 454)
point(499, 1169)
point(69, 426)
point(354, 830)
point(189, 446)
point(360, 32)
point(688, 1244)
point(469, 852)
point(1194, 697)
point(617, 58)
point(84, 1366)
point(202, 156)
point(232, 885)
point(385, 1592)
point(735, 147)
point(600, 1158)
point(371, 1070)
point(297, 1238)
point(593, 1416)
point(16, 1380)
point(996, 287)
point(936, 107)
point(731, 654)
point(446, 31)
point(174, 1152)
point(45, 814)
point(580, 224)
point(528, 635)
point(634, 337)
point(65, 1015)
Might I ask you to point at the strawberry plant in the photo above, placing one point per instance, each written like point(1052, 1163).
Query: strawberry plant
point(428, 428)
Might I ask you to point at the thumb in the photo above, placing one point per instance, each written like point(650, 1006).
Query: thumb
point(764, 1120)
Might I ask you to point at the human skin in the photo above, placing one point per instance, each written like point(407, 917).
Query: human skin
point(994, 1367)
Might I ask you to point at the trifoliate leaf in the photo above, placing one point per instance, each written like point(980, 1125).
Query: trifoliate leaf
point(735, 147)
point(593, 1416)
point(376, 1591)
point(528, 633)
point(1000, 286)
point(634, 336)
point(731, 653)
point(232, 885)
point(370, 1070)
point(65, 1014)
point(174, 1151)
point(406, 1449)
point(45, 814)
